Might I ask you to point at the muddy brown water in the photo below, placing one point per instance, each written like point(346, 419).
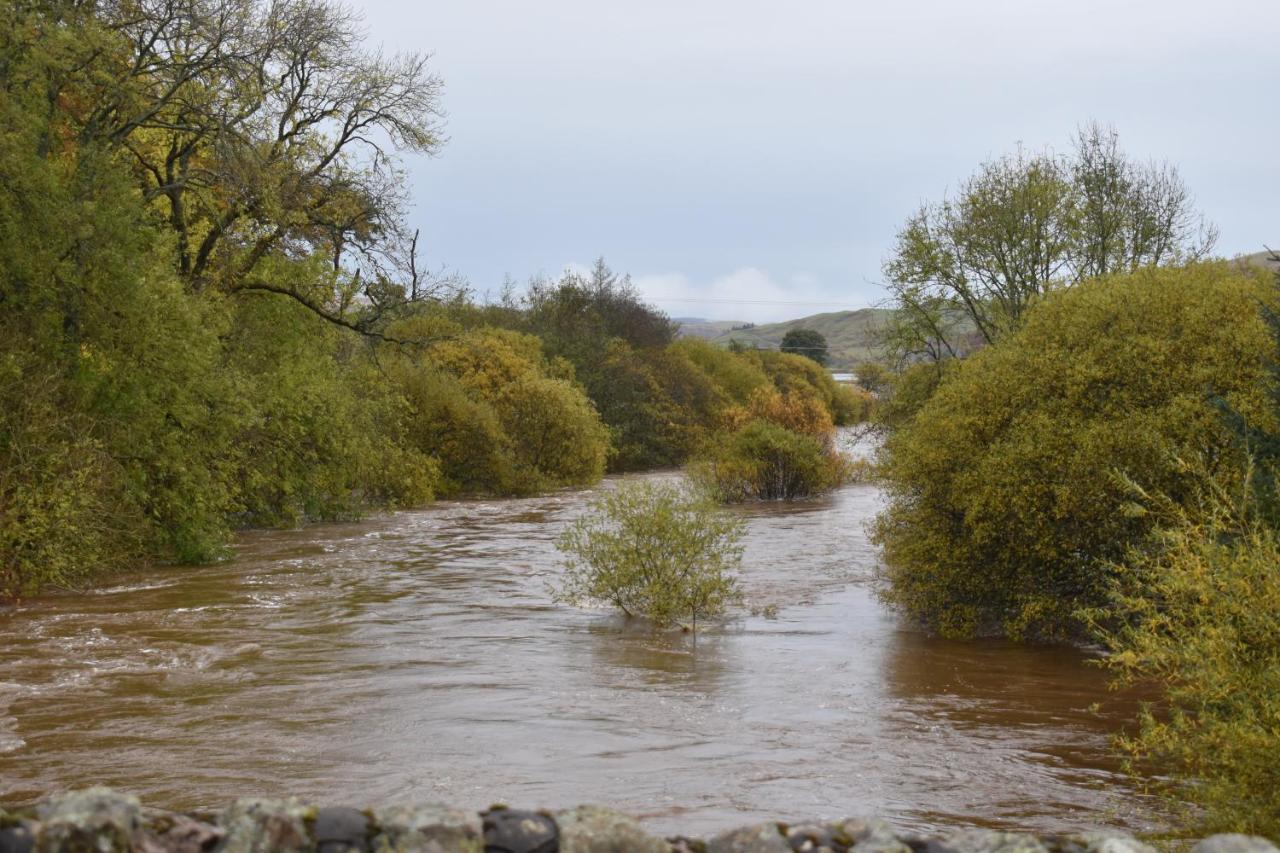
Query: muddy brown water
point(420, 657)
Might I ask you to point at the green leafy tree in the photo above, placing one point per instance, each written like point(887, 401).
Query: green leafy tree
point(254, 130)
point(654, 550)
point(806, 342)
point(965, 270)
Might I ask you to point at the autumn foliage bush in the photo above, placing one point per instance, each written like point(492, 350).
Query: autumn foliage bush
point(1009, 490)
point(779, 446)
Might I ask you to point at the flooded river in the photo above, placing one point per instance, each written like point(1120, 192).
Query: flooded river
point(420, 657)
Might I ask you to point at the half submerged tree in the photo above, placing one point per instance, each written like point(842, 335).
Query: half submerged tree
point(661, 551)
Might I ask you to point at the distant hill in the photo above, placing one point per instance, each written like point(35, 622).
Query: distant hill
point(850, 334)
point(696, 327)
point(1266, 260)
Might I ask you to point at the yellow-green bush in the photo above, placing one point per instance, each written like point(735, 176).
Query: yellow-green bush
point(461, 433)
point(1199, 616)
point(906, 392)
point(780, 445)
point(60, 514)
point(556, 436)
point(737, 374)
point(497, 416)
point(654, 550)
point(322, 433)
point(798, 411)
point(796, 374)
point(763, 460)
point(1005, 499)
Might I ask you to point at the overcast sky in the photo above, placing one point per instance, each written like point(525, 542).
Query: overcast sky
point(750, 160)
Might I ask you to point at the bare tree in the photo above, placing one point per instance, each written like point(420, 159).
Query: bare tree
point(1130, 214)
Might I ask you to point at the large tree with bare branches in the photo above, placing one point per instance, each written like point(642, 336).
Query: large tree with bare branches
point(261, 131)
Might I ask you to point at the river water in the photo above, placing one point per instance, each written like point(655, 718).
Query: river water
point(420, 657)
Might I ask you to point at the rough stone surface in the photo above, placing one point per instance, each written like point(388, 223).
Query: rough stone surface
point(97, 819)
point(1102, 842)
point(761, 838)
point(1234, 843)
point(176, 834)
point(258, 826)
point(591, 829)
point(341, 830)
point(515, 831)
point(991, 841)
point(869, 835)
point(814, 838)
point(430, 828)
point(18, 838)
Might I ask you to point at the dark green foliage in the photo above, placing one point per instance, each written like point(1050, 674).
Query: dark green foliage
point(577, 316)
point(656, 402)
point(806, 342)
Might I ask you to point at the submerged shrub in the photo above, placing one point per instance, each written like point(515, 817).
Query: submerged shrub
point(763, 460)
point(1006, 496)
point(780, 446)
point(657, 550)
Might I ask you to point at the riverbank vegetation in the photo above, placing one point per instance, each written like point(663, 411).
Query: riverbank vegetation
point(215, 316)
point(1079, 444)
point(1011, 488)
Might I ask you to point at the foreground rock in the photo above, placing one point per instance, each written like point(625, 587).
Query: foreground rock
point(99, 820)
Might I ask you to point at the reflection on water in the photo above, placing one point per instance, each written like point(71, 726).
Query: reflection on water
point(420, 657)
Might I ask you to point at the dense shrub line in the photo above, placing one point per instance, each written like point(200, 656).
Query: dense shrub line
point(212, 314)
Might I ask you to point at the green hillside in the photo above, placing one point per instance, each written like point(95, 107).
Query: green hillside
point(850, 334)
point(696, 327)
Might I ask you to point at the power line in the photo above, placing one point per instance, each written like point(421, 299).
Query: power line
point(752, 302)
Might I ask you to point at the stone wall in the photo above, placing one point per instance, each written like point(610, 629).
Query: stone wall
point(99, 820)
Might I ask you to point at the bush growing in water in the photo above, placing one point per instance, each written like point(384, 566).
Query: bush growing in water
point(765, 461)
point(780, 448)
point(1005, 505)
point(1201, 619)
point(657, 550)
